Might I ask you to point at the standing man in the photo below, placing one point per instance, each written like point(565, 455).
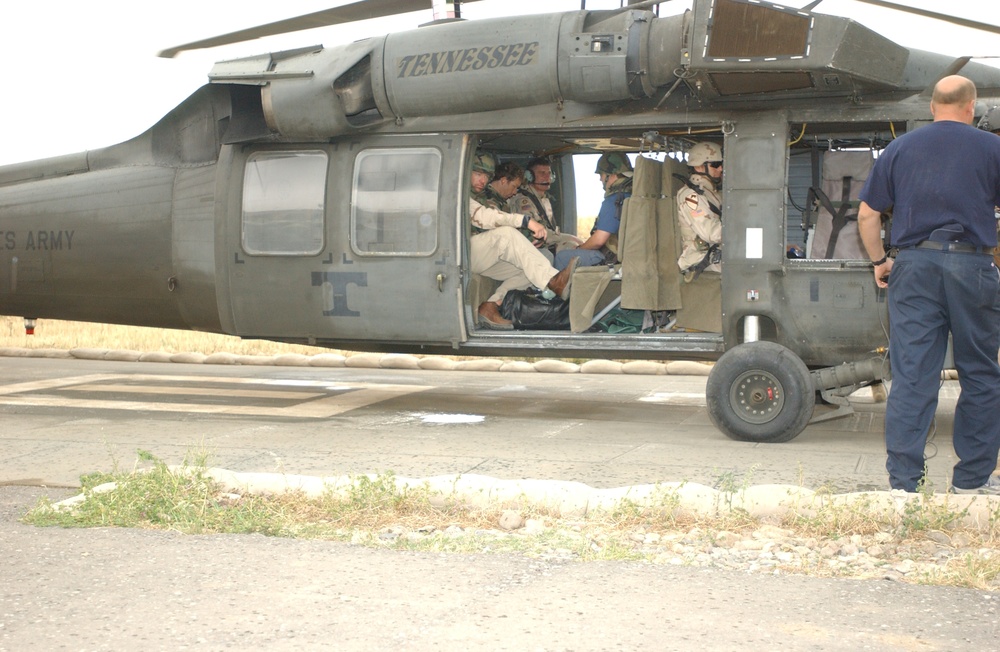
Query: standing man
point(942, 182)
point(497, 250)
point(699, 212)
point(615, 171)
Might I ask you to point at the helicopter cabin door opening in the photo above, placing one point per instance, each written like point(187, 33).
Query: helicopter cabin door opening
point(825, 309)
point(348, 241)
point(644, 277)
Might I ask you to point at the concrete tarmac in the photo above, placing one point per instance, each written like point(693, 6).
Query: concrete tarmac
point(67, 417)
point(122, 589)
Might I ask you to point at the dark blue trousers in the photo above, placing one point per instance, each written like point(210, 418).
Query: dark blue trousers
point(930, 293)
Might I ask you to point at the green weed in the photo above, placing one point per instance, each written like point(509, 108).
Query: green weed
point(377, 510)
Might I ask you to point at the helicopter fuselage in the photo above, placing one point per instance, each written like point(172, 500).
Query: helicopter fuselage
point(322, 195)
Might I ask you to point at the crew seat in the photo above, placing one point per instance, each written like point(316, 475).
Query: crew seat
point(648, 248)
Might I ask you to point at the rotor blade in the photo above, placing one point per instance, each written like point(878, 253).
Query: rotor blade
point(640, 4)
point(955, 20)
point(360, 10)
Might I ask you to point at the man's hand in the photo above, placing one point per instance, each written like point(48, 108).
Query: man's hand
point(882, 273)
point(537, 230)
point(870, 229)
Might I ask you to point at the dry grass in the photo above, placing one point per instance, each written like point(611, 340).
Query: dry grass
point(68, 335)
point(57, 334)
point(929, 542)
point(584, 226)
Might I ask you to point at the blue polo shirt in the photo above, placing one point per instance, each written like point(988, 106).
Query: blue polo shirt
point(609, 218)
point(943, 175)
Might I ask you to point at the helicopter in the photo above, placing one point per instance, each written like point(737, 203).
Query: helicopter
point(321, 195)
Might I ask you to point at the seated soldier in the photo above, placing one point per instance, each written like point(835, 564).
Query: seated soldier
point(615, 172)
point(499, 251)
point(507, 178)
point(699, 212)
point(534, 200)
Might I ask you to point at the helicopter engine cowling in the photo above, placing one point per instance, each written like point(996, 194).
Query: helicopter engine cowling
point(723, 52)
point(461, 67)
point(518, 61)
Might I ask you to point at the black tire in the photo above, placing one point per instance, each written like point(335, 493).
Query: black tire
point(760, 392)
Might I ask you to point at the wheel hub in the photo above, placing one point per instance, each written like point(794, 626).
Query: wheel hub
point(757, 396)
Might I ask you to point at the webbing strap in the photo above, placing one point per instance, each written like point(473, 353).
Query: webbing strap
point(690, 184)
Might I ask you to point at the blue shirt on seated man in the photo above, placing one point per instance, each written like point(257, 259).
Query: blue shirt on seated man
point(615, 171)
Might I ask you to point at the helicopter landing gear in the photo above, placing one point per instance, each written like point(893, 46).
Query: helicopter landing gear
point(760, 392)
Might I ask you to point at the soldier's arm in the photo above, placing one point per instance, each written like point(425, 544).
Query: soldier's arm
point(596, 240)
point(870, 228)
point(522, 206)
point(490, 218)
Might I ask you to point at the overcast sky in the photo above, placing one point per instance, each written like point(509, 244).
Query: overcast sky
point(81, 75)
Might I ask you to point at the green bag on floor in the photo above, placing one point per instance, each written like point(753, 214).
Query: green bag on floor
point(621, 320)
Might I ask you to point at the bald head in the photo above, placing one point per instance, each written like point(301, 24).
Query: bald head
point(954, 98)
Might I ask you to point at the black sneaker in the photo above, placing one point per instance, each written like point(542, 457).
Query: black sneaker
point(991, 488)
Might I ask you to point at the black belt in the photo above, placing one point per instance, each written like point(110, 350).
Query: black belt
point(960, 247)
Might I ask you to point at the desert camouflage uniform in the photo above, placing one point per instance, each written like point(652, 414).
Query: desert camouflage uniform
point(500, 252)
point(522, 203)
point(700, 226)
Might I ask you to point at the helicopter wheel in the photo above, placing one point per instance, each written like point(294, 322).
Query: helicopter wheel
point(760, 392)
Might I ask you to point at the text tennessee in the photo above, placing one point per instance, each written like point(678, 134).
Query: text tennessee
point(489, 56)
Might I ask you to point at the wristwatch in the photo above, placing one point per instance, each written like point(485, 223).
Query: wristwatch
point(524, 222)
point(876, 263)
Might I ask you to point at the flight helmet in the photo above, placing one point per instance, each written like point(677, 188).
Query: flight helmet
point(484, 162)
point(702, 153)
point(614, 163)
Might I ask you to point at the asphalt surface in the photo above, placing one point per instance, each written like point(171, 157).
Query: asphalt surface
point(99, 589)
point(67, 417)
point(118, 589)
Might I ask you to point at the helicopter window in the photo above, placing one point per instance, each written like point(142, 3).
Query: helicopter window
point(394, 202)
point(826, 173)
point(283, 203)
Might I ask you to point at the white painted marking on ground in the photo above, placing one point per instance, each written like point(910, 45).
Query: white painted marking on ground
point(55, 383)
point(309, 405)
point(450, 418)
point(196, 391)
point(675, 398)
point(560, 429)
point(507, 389)
point(285, 382)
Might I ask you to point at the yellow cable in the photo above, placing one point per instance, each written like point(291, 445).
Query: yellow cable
point(801, 134)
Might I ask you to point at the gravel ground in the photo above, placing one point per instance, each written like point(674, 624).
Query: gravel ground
point(123, 589)
point(767, 549)
point(926, 557)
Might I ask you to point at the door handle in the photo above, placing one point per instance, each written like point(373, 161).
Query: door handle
point(440, 279)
